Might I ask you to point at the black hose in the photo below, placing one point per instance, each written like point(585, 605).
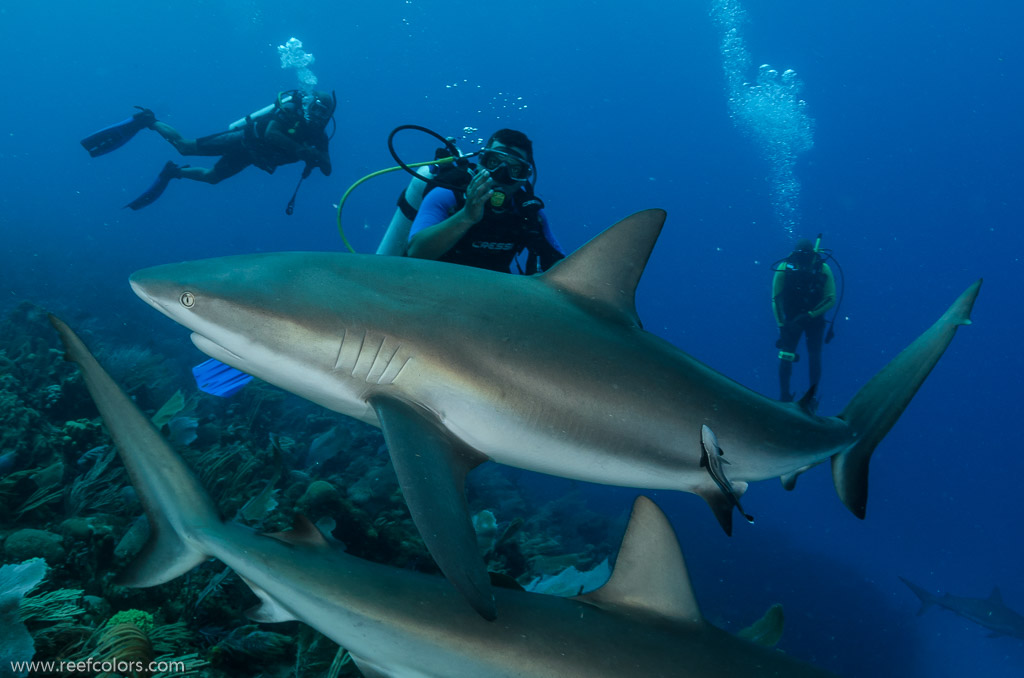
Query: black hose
point(449, 146)
point(291, 203)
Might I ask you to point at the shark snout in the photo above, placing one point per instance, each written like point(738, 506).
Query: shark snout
point(154, 291)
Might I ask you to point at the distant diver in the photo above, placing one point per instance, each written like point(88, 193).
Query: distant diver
point(290, 130)
point(803, 290)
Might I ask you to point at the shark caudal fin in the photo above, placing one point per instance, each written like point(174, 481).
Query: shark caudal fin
point(927, 599)
point(876, 407)
point(170, 494)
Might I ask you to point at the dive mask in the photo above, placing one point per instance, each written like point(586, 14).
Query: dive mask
point(505, 168)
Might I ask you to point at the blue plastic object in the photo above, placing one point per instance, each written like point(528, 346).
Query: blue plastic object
point(216, 378)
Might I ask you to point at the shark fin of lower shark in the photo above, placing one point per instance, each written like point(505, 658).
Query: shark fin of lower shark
point(165, 555)
point(605, 271)
point(879, 403)
point(432, 473)
point(368, 669)
point(650, 573)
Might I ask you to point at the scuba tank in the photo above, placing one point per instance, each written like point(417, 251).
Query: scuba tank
point(425, 176)
point(283, 98)
point(396, 238)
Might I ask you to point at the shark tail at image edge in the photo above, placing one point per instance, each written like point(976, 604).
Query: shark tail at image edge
point(873, 411)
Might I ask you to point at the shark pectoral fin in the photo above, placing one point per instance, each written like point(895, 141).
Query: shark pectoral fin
point(650, 573)
point(606, 269)
point(432, 475)
point(767, 630)
point(721, 505)
point(268, 611)
point(164, 557)
point(151, 464)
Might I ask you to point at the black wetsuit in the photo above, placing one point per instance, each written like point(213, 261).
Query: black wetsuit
point(280, 137)
point(803, 291)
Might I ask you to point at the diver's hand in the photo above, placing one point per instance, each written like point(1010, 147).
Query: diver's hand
point(477, 194)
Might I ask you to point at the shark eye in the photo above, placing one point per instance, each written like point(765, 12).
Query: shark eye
point(188, 300)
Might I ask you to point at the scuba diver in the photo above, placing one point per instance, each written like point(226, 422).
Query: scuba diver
point(487, 215)
point(803, 290)
point(290, 130)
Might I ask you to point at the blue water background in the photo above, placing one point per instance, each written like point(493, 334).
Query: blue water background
point(915, 180)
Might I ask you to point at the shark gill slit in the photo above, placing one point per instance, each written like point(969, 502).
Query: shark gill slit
point(368, 353)
point(397, 374)
point(349, 350)
point(382, 361)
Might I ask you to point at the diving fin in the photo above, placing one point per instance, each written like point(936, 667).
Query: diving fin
point(117, 135)
point(216, 378)
point(170, 171)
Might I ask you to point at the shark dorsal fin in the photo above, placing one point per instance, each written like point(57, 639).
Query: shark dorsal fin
point(996, 596)
point(650, 573)
point(607, 269)
point(767, 630)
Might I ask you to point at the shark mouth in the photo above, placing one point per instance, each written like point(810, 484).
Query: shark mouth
point(215, 350)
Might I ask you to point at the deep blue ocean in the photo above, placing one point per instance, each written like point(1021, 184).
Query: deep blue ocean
point(914, 179)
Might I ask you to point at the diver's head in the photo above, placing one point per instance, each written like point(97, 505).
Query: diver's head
point(804, 245)
point(317, 108)
point(508, 156)
point(804, 252)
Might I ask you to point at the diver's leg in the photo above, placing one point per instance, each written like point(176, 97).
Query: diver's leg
point(789, 337)
point(785, 373)
point(227, 166)
point(184, 146)
point(814, 332)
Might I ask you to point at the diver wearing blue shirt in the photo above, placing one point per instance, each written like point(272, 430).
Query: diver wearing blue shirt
point(496, 217)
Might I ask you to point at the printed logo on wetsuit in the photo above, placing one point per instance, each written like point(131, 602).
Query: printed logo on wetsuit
point(484, 245)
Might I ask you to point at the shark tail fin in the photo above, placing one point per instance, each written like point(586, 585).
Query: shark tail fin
point(927, 599)
point(876, 407)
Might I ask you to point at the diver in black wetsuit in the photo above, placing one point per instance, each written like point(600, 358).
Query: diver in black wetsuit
point(803, 289)
point(292, 130)
point(491, 214)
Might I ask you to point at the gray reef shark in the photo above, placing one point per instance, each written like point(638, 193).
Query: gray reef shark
point(551, 373)
point(991, 612)
point(398, 623)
